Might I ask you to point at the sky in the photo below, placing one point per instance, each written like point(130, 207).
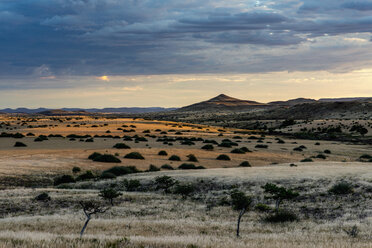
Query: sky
point(171, 53)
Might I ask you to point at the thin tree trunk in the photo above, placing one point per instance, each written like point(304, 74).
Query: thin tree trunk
point(277, 204)
point(239, 218)
point(85, 226)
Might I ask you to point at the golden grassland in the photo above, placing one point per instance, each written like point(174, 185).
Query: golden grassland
point(151, 218)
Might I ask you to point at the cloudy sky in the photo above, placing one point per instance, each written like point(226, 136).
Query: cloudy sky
point(111, 53)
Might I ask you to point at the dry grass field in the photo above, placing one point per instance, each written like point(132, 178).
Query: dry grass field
point(145, 216)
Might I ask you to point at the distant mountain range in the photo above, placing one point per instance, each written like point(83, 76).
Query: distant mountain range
point(224, 102)
point(75, 111)
point(221, 102)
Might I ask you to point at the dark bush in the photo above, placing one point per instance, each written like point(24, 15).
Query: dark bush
point(19, 144)
point(121, 146)
point(281, 216)
point(223, 157)
point(341, 188)
point(238, 151)
point(85, 176)
point(76, 169)
point(321, 156)
point(121, 170)
point(174, 158)
point(207, 147)
point(134, 155)
point(184, 190)
point(153, 168)
point(327, 151)
point(306, 160)
point(164, 183)
point(245, 149)
point(107, 158)
point(186, 166)
point(192, 158)
point(63, 179)
point(94, 155)
point(245, 164)
point(262, 207)
point(43, 197)
point(107, 175)
point(132, 184)
point(162, 153)
point(261, 146)
point(167, 167)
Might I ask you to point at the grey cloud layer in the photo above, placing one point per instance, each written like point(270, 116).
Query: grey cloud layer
point(120, 37)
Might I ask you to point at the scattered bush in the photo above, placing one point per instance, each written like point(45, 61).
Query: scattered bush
point(186, 166)
point(94, 155)
point(132, 184)
point(162, 153)
point(327, 151)
point(134, 155)
point(223, 157)
point(121, 170)
point(121, 146)
point(306, 160)
point(184, 190)
point(76, 169)
point(174, 158)
point(165, 183)
point(341, 188)
point(19, 144)
point(63, 179)
point(321, 156)
point(153, 168)
point(207, 147)
point(262, 146)
point(43, 197)
point(238, 151)
point(85, 176)
point(107, 175)
point(167, 167)
point(245, 164)
point(192, 158)
point(110, 194)
point(107, 158)
point(281, 216)
point(262, 207)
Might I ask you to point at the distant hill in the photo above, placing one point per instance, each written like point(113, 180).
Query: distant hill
point(349, 99)
point(293, 102)
point(222, 102)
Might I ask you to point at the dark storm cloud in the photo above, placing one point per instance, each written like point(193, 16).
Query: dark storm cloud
point(121, 37)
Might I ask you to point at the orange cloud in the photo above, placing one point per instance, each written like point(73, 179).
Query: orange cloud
point(104, 78)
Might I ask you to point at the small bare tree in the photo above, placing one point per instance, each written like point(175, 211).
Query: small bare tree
point(240, 202)
point(110, 194)
point(90, 208)
point(279, 193)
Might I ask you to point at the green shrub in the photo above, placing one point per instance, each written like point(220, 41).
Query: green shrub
point(107, 175)
point(107, 158)
point(341, 188)
point(110, 194)
point(174, 158)
point(94, 155)
point(186, 166)
point(245, 164)
point(134, 155)
point(85, 176)
point(192, 158)
point(321, 156)
point(162, 153)
point(19, 144)
point(281, 216)
point(167, 167)
point(121, 170)
point(261, 146)
point(165, 183)
point(223, 157)
point(306, 160)
point(63, 179)
point(43, 197)
point(238, 151)
point(132, 184)
point(153, 168)
point(184, 190)
point(245, 149)
point(121, 146)
point(207, 147)
point(262, 207)
point(76, 169)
